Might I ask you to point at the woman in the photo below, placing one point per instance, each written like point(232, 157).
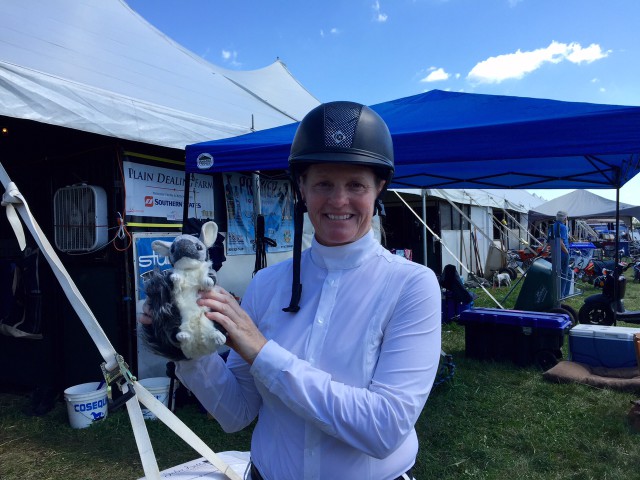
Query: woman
point(338, 379)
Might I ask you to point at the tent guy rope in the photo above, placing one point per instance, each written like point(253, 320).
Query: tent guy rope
point(437, 238)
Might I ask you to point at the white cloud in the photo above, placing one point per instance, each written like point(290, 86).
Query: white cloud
point(590, 54)
point(436, 75)
point(379, 16)
point(333, 31)
point(517, 65)
point(231, 57)
point(513, 3)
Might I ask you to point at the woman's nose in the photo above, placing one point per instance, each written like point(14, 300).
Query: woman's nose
point(339, 195)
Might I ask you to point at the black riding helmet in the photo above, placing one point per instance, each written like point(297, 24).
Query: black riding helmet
point(336, 132)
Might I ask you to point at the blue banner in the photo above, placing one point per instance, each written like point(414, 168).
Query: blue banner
point(146, 260)
point(276, 202)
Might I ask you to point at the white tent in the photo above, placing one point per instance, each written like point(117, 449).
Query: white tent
point(582, 204)
point(484, 205)
point(97, 66)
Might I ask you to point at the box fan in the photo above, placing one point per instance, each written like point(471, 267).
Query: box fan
point(80, 218)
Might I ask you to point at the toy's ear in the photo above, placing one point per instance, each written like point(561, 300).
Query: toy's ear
point(161, 247)
point(209, 233)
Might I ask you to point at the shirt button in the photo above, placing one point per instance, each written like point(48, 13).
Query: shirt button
point(320, 320)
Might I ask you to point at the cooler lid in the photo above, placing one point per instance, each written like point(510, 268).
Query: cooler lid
point(604, 331)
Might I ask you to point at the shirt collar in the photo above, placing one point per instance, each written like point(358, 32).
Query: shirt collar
point(346, 256)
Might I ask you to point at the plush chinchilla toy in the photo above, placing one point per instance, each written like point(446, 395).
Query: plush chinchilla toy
point(180, 328)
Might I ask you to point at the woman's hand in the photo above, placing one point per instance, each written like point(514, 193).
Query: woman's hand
point(145, 316)
point(242, 334)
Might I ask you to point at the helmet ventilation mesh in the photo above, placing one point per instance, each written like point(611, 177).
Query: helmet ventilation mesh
point(340, 125)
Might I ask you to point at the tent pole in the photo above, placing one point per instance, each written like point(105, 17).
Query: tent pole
point(471, 255)
point(425, 192)
point(616, 257)
point(185, 205)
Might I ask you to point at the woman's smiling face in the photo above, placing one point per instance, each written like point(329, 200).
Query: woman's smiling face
point(340, 200)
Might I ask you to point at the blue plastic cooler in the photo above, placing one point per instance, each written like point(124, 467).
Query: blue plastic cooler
point(522, 337)
point(603, 346)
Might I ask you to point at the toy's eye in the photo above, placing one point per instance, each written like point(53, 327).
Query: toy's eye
point(198, 247)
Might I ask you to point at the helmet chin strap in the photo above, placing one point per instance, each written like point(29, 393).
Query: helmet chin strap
point(298, 226)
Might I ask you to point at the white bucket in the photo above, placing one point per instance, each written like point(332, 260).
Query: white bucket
point(86, 403)
point(159, 388)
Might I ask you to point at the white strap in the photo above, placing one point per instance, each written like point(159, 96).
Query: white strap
point(13, 200)
point(140, 433)
point(8, 199)
point(175, 424)
point(73, 294)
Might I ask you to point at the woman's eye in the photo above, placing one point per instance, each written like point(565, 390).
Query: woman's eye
point(357, 187)
point(323, 186)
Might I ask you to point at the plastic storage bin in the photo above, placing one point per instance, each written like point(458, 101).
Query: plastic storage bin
point(451, 307)
point(603, 346)
point(522, 337)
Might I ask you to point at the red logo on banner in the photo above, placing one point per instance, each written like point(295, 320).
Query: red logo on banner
point(148, 201)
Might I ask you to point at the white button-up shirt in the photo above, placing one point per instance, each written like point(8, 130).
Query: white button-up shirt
point(340, 384)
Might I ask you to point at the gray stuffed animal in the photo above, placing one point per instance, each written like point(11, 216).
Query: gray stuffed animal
point(180, 328)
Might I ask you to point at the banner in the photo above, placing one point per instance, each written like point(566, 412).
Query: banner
point(159, 192)
point(276, 201)
point(145, 261)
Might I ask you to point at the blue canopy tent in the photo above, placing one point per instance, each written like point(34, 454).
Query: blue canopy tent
point(462, 140)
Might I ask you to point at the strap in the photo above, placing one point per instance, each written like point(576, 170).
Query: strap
point(173, 422)
point(296, 286)
point(14, 201)
point(19, 204)
point(141, 435)
point(8, 199)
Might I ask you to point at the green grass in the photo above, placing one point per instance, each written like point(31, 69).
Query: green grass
point(491, 420)
point(47, 448)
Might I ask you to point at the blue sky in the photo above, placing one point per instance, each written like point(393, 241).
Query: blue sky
point(371, 51)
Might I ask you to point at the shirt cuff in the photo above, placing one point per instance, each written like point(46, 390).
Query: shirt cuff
point(194, 368)
point(270, 362)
